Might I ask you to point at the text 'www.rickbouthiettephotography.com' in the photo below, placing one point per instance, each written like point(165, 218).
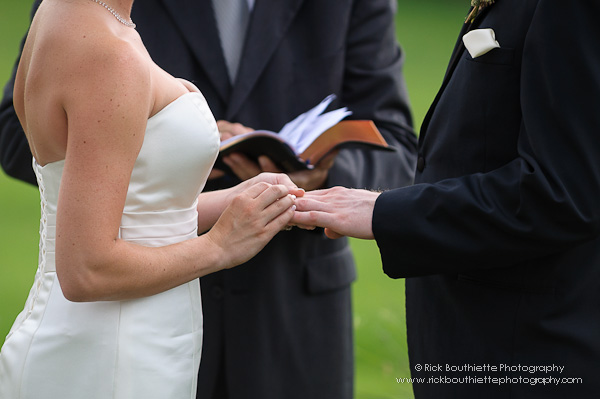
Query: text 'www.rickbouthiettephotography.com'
point(500, 374)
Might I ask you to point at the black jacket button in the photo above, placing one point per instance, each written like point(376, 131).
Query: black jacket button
point(420, 164)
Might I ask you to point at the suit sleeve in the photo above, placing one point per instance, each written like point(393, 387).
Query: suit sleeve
point(542, 203)
point(374, 88)
point(15, 155)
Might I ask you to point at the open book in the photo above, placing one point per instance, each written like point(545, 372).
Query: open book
point(306, 140)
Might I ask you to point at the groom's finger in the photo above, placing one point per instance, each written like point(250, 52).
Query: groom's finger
point(332, 234)
point(305, 204)
point(317, 193)
point(312, 218)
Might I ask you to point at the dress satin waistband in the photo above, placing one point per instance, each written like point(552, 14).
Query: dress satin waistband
point(158, 229)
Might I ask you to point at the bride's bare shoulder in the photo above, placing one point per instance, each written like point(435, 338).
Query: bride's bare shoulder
point(80, 70)
point(76, 46)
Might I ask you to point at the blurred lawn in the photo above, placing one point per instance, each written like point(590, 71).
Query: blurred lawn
point(427, 31)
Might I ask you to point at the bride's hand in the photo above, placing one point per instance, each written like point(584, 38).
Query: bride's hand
point(273, 178)
point(250, 221)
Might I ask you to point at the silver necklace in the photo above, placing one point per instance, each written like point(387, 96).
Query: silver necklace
point(118, 16)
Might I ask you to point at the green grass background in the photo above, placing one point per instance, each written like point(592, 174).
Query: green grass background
point(427, 30)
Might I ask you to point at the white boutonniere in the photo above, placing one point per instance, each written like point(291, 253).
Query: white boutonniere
point(478, 6)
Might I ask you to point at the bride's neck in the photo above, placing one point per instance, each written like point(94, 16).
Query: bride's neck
point(123, 7)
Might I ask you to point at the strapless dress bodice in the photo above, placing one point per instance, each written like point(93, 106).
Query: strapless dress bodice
point(179, 148)
point(143, 348)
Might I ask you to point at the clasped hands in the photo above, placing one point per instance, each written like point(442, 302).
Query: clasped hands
point(340, 211)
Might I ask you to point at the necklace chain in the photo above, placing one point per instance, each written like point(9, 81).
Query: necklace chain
point(118, 16)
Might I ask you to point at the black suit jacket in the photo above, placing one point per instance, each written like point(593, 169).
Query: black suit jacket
point(500, 234)
point(281, 326)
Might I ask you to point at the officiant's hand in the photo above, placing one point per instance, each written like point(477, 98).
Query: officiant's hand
point(227, 130)
point(311, 179)
point(245, 169)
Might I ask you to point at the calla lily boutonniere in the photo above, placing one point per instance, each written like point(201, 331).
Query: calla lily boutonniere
point(478, 6)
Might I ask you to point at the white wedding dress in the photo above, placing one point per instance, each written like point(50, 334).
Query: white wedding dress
point(146, 348)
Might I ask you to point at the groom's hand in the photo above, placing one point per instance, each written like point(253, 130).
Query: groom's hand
point(340, 211)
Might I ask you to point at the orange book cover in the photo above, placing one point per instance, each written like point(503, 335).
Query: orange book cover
point(344, 132)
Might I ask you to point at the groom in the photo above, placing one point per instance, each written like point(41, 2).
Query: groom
point(499, 238)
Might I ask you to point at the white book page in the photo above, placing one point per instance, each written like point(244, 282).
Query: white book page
point(289, 132)
point(318, 126)
point(305, 128)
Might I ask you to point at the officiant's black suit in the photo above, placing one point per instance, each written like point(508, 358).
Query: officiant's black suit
point(280, 326)
point(500, 235)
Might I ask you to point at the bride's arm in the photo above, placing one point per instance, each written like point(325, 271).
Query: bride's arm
point(107, 108)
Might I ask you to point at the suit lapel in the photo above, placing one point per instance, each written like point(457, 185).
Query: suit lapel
point(202, 35)
point(268, 24)
point(458, 51)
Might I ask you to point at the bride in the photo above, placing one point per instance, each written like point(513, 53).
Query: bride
point(121, 151)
